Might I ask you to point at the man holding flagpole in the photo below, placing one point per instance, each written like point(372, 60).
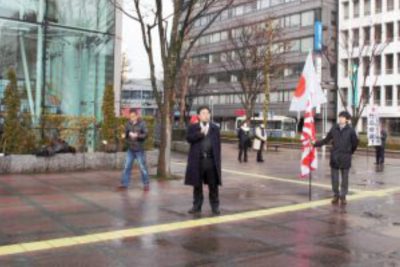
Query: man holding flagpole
point(344, 143)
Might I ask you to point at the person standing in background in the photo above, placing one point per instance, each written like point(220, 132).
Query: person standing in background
point(380, 150)
point(244, 141)
point(260, 141)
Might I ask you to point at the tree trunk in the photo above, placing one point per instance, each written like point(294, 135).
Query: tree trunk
point(182, 111)
point(267, 88)
point(266, 97)
point(164, 164)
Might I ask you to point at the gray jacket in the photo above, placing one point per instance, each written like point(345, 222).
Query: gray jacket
point(137, 144)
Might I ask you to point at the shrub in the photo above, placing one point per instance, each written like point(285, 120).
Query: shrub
point(17, 138)
point(108, 125)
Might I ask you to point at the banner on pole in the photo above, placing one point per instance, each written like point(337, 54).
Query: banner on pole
point(373, 131)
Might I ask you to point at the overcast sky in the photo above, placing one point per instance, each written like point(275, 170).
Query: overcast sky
point(132, 43)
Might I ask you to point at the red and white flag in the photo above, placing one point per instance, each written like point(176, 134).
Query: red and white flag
point(308, 85)
point(309, 159)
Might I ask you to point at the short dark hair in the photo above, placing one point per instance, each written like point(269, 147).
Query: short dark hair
point(134, 110)
point(345, 114)
point(200, 109)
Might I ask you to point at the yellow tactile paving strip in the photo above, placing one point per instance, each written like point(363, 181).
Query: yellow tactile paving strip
point(168, 227)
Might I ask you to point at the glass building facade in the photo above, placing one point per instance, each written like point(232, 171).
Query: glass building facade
point(62, 52)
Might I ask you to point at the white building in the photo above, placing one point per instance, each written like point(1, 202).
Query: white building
point(138, 94)
point(369, 35)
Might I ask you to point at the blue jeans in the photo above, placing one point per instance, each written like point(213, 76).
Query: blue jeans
point(140, 157)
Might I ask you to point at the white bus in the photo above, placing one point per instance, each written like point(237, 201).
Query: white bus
point(277, 126)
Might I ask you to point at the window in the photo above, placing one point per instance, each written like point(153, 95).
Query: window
point(389, 64)
point(212, 79)
point(378, 6)
point(356, 8)
point(238, 11)
point(346, 11)
point(366, 66)
point(389, 95)
point(215, 58)
point(292, 21)
point(398, 94)
point(234, 78)
point(277, 2)
point(367, 35)
point(389, 32)
point(294, 46)
point(398, 65)
point(345, 63)
point(378, 33)
point(344, 96)
point(377, 65)
point(367, 7)
point(365, 95)
point(356, 37)
point(390, 5)
point(398, 29)
point(307, 44)
point(377, 95)
point(307, 18)
point(263, 4)
point(345, 39)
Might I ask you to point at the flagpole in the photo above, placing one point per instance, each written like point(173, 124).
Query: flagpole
point(310, 187)
point(310, 182)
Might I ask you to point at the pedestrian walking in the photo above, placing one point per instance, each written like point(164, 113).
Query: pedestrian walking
point(204, 161)
point(135, 136)
point(344, 143)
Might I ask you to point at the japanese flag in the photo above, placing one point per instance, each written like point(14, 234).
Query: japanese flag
point(308, 87)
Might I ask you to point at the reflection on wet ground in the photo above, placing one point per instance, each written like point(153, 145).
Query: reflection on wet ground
point(52, 206)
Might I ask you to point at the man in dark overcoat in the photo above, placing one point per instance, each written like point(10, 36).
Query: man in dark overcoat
point(204, 161)
point(344, 143)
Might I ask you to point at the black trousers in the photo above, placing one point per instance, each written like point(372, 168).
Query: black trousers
point(344, 186)
point(208, 174)
point(260, 153)
point(243, 151)
point(380, 154)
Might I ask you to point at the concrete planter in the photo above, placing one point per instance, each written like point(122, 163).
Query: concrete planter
point(19, 164)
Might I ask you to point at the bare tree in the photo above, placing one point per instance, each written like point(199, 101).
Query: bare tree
point(125, 69)
point(359, 55)
point(191, 81)
point(172, 31)
point(250, 62)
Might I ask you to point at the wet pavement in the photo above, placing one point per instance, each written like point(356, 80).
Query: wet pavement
point(266, 220)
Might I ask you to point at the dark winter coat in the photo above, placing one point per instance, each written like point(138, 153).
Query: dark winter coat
point(344, 144)
point(194, 137)
point(383, 138)
point(137, 144)
point(244, 138)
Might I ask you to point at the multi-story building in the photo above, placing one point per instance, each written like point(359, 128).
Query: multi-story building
point(370, 38)
point(64, 53)
point(296, 18)
point(138, 94)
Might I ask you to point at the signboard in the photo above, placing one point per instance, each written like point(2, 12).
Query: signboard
point(318, 36)
point(373, 131)
point(240, 112)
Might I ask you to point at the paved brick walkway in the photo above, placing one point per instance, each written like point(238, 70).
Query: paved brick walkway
point(266, 218)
